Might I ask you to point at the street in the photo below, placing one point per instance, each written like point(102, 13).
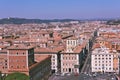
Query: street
point(87, 65)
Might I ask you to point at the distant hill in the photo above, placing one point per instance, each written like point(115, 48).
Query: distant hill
point(113, 22)
point(25, 21)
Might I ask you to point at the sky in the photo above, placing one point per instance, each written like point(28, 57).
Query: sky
point(60, 9)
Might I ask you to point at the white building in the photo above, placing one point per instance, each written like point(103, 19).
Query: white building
point(54, 62)
point(104, 60)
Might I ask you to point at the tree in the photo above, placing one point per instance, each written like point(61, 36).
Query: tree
point(17, 76)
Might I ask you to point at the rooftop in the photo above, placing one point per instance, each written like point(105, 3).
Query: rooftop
point(39, 59)
point(20, 46)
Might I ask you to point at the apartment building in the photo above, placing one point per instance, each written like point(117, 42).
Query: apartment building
point(72, 56)
point(71, 43)
point(104, 60)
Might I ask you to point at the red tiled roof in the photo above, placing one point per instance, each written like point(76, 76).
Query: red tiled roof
point(96, 45)
point(39, 59)
point(20, 46)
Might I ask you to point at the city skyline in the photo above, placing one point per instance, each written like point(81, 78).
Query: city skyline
point(60, 9)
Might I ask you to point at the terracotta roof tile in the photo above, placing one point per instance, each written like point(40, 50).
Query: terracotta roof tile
point(20, 46)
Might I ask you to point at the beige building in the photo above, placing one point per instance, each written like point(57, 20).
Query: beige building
point(71, 43)
point(72, 56)
point(69, 61)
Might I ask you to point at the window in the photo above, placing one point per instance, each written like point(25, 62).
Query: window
point(17, 53)
point(23, 53)
point(53, 66)
point(75, 58)
point(5, 60)
point(53, 56)
point(109, 68)
point(112, 46)
point(63, 69)
point(66, 69)
point(17, 66)
point(72, 58)
point(23, 60)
